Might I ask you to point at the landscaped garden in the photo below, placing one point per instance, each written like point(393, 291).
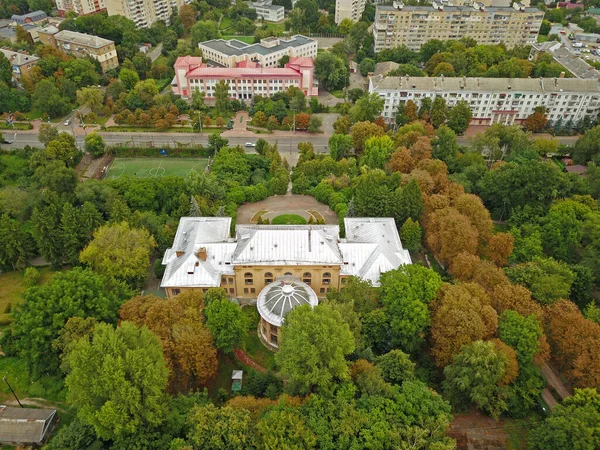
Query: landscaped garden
point(289, 219)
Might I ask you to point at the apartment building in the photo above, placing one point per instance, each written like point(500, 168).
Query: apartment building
point(82, 45)
point(267, 53)
point(245, 81)
point(412, 26)
point(80, 7)
point(267, 11)
point(21, 64)
point(144, 12)
point(349, 9)
point(495, 100)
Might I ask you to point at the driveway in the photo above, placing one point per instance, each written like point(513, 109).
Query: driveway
point(286, 204)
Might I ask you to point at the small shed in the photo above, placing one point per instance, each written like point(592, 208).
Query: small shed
point(236, 380)
point(25, 426)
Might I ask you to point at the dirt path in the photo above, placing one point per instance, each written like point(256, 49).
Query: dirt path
point(555, 382)
point(39, 402)
point(243, 357)
point(476, 431)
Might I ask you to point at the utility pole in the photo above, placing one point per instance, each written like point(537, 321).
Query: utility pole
point(13, 392)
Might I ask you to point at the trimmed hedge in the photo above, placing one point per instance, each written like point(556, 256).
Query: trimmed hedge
point(124, 151)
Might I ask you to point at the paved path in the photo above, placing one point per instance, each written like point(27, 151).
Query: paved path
point(243, 357)
point(286, 204)
point(554, 381)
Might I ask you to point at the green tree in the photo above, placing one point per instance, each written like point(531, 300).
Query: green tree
point(405, 294)
point(459, 117)
point(222, 102)
point(367, 108)
point(76, 293)
point(587, 146)
point(572, 425)
point(377, 151)
point(117, 380)
point(547, 279)
point(120, 252)
point(5, 70)
point(439, 112)
point(396, 367)
point(129, 77)
point(324, 339)
point(521, 333)
point(204, 30)
point(340, 146)
point(331, 70)
point(411, 235)
point(94, 144)
point(366, 65)
point(227, 323)
point(48, 99)
point(284, 428)
point(444, 145)
point(17, 245)
point(92, 97)
point(62, 148)
point(314, 124)
point(47, 133)
point(476, 374)
point(223, 428)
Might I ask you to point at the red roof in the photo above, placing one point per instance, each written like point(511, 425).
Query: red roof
point(302, 61)
point(242, 72)
point(247, 63)
point(186, 61)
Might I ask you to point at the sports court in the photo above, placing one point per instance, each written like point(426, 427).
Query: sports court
point(154, 167)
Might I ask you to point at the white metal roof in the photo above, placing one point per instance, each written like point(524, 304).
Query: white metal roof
point(202, 251)
point(277, 299)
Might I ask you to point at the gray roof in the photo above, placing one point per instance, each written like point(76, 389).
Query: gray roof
point(569, 60)
point(24, 425)
point(18, 59)
point(440, 84)
point(382, 68)
point(489, 9)
point(34, 16)
point(82, 39)
point(236, 48)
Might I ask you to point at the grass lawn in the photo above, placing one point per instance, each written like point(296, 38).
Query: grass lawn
point(226, 22)
point(12, 168)
point(252, 345)
point(339, 93)
point(246, 39)
point(154, 167)
point(12, 288)
point(276, 27)
point(15, 126)
point(542, 38)
point(288, 219)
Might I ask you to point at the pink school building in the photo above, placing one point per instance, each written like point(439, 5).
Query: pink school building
point(245, 80)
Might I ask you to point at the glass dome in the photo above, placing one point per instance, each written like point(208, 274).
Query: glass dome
point(280, 297)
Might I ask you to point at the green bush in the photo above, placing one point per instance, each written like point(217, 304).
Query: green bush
point(289, 219)
point(31, 277)
point(159, 269)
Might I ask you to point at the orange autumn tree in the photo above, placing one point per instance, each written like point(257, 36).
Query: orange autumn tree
point(179, 323)
point(449, 233)
point(401, 161)
point(516, 297)
point(462, 314)
point(499, 248)
point(467, 267)
point(574, 341)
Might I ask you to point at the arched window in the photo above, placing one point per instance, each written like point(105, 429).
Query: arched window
point(306, 277)
point(248, 278)
point(326, 278)
point(288, 274)
point(268, 277)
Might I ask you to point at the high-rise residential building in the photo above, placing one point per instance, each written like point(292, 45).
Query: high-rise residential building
point(80, 7)
point(144, 12)
point(82, 45)
point(495, 100)
point(349, 9)
point(413, 26)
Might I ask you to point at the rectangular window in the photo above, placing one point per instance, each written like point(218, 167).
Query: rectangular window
point(175, 291)
point(245, 290)
point(231, 291)
point(230, 280)
point(252, 291)
point(322, 290)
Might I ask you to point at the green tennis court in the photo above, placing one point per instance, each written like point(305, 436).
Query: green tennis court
point(154, 167)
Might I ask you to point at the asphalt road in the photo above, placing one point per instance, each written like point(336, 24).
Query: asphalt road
point(285, 144)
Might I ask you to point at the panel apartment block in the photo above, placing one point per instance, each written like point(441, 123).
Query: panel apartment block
point(413, 26)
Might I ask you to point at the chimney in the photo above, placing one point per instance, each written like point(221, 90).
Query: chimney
point(202, 253)
point(179, 253)
point(562, 75)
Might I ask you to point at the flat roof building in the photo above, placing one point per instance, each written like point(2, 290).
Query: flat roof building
point(203, 255)
point(82, 45)
point(495, 100)
point(267, 11)
point(267, 53)
point(412, 26)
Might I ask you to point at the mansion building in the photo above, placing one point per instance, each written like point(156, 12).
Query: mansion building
point(245, 80)
point(278, 266)
point(495, 100)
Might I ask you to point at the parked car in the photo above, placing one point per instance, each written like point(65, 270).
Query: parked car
point(250, 144)
point(67, 122)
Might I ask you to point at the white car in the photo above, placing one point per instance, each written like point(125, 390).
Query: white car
point(250, 144)
point(67, 122)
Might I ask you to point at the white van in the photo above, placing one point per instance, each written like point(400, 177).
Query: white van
point(577, 44)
